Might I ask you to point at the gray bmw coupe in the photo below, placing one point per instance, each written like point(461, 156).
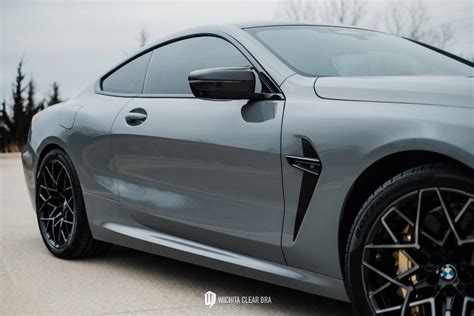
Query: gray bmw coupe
point(333, 160)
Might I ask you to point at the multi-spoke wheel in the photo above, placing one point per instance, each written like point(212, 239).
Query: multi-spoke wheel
point(60, 209)
point(56, 204)
point(411, 249)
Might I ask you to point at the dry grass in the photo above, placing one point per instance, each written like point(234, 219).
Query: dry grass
point(13, 148)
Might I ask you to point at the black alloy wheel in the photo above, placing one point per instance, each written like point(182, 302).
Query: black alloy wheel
point(60, 210)
point(56, 212)
point(412, 247)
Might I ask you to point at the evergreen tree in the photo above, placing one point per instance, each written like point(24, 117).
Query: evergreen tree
point(15, 123)
point(30, 99)
point(31, 108)
point(18, 122)
point(4, 139)
point(54, 96)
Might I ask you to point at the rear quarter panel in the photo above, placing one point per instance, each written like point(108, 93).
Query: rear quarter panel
point(81, 127)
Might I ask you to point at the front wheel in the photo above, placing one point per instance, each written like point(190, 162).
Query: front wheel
point(60, 209)
point(411, 248)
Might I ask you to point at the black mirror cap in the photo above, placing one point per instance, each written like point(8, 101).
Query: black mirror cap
point(230, 83)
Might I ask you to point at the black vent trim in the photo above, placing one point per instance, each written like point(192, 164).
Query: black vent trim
point(311, 166)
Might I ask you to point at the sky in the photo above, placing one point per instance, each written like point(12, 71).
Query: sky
point(73, 42)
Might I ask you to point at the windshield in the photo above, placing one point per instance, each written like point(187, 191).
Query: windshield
point(336, 51)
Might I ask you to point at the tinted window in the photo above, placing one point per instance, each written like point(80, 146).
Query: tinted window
point(172, 63)
point(336, 51)
point(128, 78)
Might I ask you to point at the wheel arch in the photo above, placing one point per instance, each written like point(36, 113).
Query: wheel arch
point(45, 148)
point(374, 176)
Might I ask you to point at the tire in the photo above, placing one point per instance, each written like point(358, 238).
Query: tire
point(367, 254)
point(60, 210)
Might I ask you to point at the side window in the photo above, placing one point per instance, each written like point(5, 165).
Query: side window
point(172, 63)
point(128, 78)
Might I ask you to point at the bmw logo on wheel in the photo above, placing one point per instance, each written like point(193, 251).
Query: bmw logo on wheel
point(448, 272)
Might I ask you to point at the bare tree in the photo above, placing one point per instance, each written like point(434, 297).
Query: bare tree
point(349, 12)
point(394, 19)
point(142, 37)
point(300, 10)
point(411, 19)
point(441, 36)
point(54, 96)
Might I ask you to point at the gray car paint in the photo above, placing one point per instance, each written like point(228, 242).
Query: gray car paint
point(213, 176)
point(348, 136)
point(435, 90)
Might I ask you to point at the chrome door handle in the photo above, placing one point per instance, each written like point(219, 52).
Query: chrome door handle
point(136, 117)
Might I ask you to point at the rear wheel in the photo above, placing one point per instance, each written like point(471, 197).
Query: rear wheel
point(411, 248)
point(60, 209)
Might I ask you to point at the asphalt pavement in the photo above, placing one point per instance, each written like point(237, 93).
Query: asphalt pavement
point(123, 281)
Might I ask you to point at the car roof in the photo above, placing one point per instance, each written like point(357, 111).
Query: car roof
point(254, 24)
point(235, 28)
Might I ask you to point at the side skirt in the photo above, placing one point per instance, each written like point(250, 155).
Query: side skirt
point(105, 226)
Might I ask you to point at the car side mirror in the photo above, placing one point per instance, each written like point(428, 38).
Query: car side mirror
point(230, 83)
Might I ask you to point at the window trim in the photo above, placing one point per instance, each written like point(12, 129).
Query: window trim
point(443, 52)
point(224, 36)
point(99, 89)
point(141, 55)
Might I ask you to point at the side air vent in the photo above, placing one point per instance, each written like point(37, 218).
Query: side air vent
point(311, 167)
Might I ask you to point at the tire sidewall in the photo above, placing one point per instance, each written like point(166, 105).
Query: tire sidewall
point(61, 156)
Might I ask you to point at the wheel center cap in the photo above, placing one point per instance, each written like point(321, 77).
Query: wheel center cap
point(65, 204)
point(448, 272)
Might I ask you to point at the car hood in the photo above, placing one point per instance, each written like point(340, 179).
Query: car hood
point(451, 91)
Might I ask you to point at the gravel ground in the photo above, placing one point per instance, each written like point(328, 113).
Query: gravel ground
point(124, 281)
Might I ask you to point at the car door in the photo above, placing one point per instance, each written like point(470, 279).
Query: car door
point(203, 170)
point(92, 116)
